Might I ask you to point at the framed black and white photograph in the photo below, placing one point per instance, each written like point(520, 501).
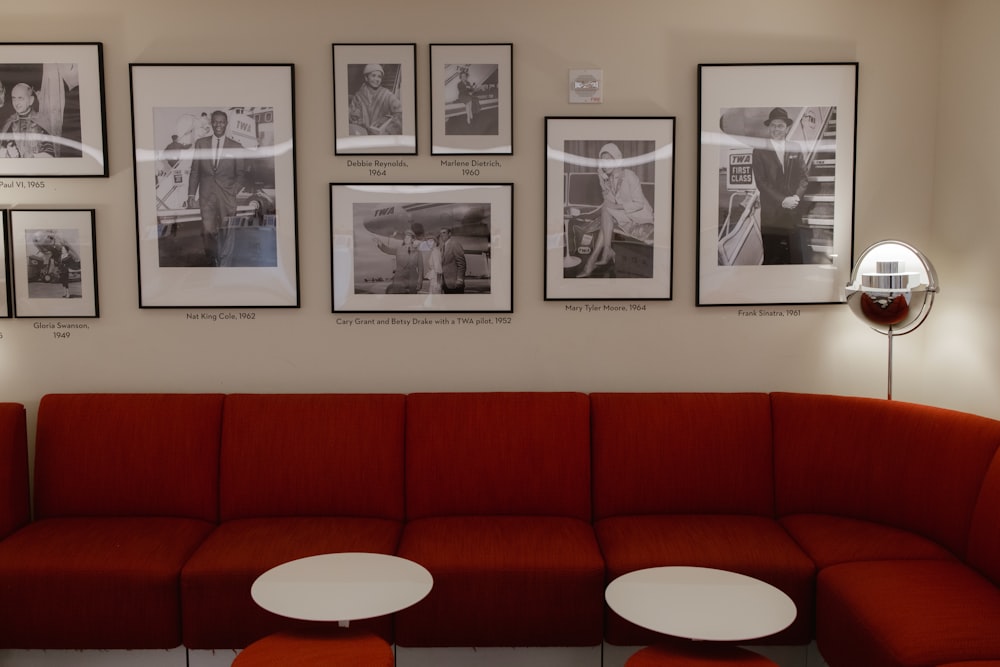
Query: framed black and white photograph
point(776, 182)
point(445, 247)
point(52, 121)
point(609, 185)
point(54, 263)
point(472, 99)
point(5, 265)
point(374, 99)
point(216, 215)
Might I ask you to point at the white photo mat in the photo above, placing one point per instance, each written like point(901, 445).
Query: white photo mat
point(159, 88)
point(36, 241)
point(796, 88)
point(362, 273)
point(402, 56)
point(445, 61)
point(657, 133)
point(79, 75)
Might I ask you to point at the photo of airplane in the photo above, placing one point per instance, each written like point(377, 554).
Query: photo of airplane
point(379, 229)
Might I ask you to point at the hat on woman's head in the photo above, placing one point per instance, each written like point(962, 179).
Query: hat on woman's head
point(612, 150)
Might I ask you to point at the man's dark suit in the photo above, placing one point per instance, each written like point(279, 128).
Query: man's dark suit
point(775, 181)
point(452, 267)
point(217, 184)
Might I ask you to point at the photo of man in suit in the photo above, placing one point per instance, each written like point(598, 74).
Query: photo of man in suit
point(219, 171)
point(781, 175)
point(452, 264)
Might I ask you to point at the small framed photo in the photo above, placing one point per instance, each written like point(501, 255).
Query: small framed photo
point(215, 185)
point(776, 182)
point(52, 121)
point(54, 263)
point(472, 99)
point(374, 99)
point(5, 265)
point(609, 185)
point(445, 247)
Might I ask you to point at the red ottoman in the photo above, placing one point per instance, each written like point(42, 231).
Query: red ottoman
point(700, 655)
point(334, 649)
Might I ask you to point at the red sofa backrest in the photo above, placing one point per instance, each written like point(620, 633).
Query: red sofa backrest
point(984, 536)
point(128, 455)
point(312, 455)
point(911, 466)
point(519, 453)
point(680, 453)
point(14, 501)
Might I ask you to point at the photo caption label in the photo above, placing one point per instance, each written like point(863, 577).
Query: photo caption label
point(423, 321)
point(472, 167)
point(378, 167)
point(221, 316)
point(769, 312)
point(60, 330)
point(23, 185)
point(605, 308)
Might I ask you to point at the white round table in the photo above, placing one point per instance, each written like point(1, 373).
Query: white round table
point(341, 587)
point(700, 603)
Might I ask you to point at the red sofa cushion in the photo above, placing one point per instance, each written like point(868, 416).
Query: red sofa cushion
point(907, 613)
point(14, 500)
point(697, 654)
point(218, 611)
point(128, 455)
point(334, 648)
point(520, 453)
point(984, 536)
point(682, 453)
point(751, 545)
point(312, 455)
point(504, 581)
point(910, 466)
point(79, 583)
point(830, 540)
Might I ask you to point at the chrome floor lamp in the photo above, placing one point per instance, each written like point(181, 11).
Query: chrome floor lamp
point(892, 289)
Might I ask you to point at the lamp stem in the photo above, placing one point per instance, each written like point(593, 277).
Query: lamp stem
point(890, 365)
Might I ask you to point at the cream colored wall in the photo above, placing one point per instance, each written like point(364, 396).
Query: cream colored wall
point(649, 51)
point(961, 352)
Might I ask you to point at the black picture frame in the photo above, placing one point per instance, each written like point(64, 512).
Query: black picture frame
point(609, 199)
point(789, 241)
point(5, 301)
point(380, 119)
point(384, 236)
point(54, 263)
point(472, 99)
point(244, 254)
point(52, 114)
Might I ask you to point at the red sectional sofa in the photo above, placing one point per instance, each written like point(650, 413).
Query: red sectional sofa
point(14, 497)
point(154, 513)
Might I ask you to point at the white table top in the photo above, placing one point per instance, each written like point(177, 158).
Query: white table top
point(700, 603)
point(341, 587)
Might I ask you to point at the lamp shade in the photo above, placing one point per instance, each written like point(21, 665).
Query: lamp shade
point(892, 287)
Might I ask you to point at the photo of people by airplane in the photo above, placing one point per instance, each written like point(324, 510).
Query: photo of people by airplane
point(608, 212)
point(422, 248)
point(53, 263)
point(777, 168)
point(215, 186)
point(472, 99)
point(40, 110)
